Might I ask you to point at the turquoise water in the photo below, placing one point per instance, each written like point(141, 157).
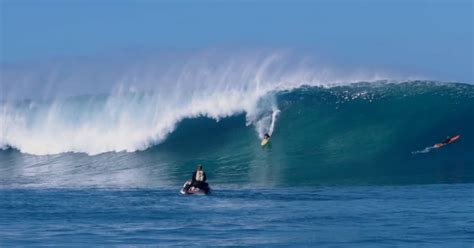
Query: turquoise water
point(339, 170)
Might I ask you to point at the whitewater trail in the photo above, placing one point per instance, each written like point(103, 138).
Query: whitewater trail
point(426, 150)
point(274, 117)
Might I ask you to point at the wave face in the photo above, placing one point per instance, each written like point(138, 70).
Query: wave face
point(360, 133)
point(370, 131)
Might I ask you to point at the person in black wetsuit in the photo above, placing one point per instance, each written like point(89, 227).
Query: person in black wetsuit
point(199, 178)
point(446, 141)
point(266, 136)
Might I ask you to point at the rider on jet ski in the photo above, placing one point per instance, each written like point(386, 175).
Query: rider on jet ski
point(197, 184)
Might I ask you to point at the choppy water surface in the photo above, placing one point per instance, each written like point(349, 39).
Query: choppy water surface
point(408, 216)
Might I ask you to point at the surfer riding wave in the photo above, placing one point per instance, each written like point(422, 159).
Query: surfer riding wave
point(446, 141)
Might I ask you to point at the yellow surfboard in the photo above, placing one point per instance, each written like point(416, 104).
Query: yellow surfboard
point(264, 142)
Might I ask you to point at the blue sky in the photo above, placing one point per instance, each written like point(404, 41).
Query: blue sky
point(431, 38)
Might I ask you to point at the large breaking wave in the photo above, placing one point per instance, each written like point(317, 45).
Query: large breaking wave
point(145, 101)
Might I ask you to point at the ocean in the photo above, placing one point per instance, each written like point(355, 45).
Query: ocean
point(347, 165)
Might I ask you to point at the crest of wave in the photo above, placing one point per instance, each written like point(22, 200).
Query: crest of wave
point(148, 99)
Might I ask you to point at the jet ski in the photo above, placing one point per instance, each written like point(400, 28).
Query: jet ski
point(187, 189)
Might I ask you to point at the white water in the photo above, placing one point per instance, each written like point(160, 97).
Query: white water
point(146, 103)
